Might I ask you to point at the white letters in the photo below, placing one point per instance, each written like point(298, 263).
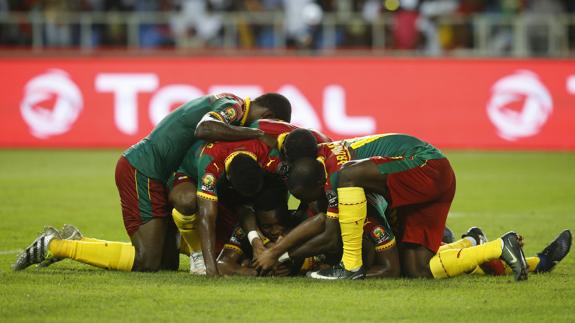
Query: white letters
point(125, 87)
point(336, 118)
point(303, 113)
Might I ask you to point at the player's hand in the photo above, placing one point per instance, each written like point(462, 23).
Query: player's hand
point(266, 260)
point(258, 247)
point(282, 270)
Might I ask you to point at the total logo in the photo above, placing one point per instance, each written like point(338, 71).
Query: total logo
point(52, 103)
point(519, 106)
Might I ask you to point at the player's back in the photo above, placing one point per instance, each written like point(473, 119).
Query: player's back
point(391, 145)
point(162, 151)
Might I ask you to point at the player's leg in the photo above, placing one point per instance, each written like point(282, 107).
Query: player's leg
point(144, 210)
point(171, 252)
point(183, 197)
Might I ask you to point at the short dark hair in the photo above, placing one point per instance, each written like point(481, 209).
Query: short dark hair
point(272, 197)
point(245, 175)
point(306, 172)
point(300, 143)
point(278, 104)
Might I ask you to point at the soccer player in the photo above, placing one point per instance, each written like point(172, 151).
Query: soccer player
point(272, 221)
point(415, 178)
point(544, 262)
point(141, 174)
point(241, 164)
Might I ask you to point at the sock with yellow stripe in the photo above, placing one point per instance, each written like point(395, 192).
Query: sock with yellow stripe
point(459, 244)
point(88, 239)
point(454, 262)
point(352, 213)
point(189, 230)
point(103, 254)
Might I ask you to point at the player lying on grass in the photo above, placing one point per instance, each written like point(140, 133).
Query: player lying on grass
point(417, 181)
point(141, 173)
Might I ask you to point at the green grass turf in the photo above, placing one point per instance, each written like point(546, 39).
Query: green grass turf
point(532, 193)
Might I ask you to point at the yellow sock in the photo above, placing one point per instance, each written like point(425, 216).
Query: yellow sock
point(187, 224)
point(532, 263)
point(108, 254)
point(454, 262)
point(459, 244)
point(352, 213)
point(87, 239)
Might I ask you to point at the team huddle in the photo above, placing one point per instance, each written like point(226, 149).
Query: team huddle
point(213, 180)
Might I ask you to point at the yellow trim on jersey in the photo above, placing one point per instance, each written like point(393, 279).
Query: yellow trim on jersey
point(281, 139)
point(149, 194)
point(217, 116)
point(136, 182)
point(361, 141)
point(385, 246)
point(233, 155)
point(207, 196)
point(248, 102)
point(321, 159)
point(332, 215)
point(234, 248)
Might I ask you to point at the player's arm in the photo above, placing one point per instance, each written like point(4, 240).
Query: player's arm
point(213, 127)
point(230, 262)
point(381, 263)
point(325, 242)
point(303, 232)
point(249, 224)
point(207, 214)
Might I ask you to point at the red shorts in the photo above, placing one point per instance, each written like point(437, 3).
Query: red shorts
point(422, 196)
point(142, 198)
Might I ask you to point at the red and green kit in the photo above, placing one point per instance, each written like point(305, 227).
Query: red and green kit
point(142, 170)
point(420, 182)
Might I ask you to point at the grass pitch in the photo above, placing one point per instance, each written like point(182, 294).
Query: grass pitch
point(532, 193)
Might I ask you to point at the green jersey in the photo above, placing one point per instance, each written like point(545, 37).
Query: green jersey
point(159, 154)
point(391, 145)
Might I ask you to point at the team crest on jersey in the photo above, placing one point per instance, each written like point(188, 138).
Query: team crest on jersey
point(208, 183)
point(379, 234)
point(331, 199)
point(229, 114)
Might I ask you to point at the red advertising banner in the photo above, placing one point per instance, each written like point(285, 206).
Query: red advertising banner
point(114, 102)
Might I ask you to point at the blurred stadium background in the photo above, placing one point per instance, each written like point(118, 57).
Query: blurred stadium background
point(461, 74)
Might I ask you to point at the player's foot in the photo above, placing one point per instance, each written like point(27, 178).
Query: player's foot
point(513, 255)
point(477, 234)
point(554, 252)
point(197, 265)
point(448, 236)
point(68, 232)
point(37, 251)
point(337, 272)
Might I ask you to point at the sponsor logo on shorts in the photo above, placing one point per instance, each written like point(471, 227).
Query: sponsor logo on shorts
point(209, 183)
point(520, 105)
point(51, 104)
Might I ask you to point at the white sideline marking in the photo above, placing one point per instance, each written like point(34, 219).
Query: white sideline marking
point(9, 252)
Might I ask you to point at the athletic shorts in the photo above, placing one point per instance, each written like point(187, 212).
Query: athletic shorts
point(422, 196)
point(142, 198)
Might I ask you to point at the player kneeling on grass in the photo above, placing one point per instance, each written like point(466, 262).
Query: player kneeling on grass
point(141, 175)
point(414, 177)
